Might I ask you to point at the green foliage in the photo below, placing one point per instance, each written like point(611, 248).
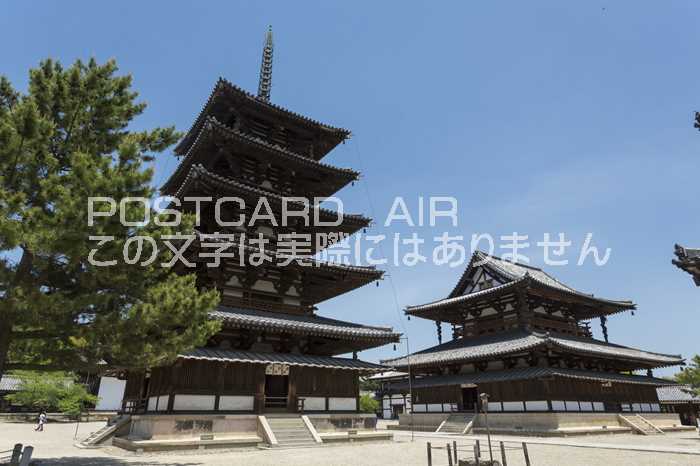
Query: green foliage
point(75, 399)
point(369, 385)
point(51, 391)
point(66, 140)
point(368, 404)
point(691, 374)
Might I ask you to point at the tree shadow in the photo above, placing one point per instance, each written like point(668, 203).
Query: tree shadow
point(105, 461)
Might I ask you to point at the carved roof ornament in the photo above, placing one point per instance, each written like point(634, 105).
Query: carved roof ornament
point(265, 83)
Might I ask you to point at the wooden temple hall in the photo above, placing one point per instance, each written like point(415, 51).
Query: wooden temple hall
point(524, 338)
point(274, 353)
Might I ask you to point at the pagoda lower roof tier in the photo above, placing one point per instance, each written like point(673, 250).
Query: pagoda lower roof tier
point(688, 261)
point(227, 100)
point(488, 347)
point(290, 359)
point(201, 182)
point(308, 324)
point(526, 373)
point(320, 280)
point(217, 143)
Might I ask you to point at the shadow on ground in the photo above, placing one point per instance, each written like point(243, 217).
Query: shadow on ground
point(103, 461)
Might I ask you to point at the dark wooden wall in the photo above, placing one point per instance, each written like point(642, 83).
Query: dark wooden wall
point(311, 381)
point(568, 389)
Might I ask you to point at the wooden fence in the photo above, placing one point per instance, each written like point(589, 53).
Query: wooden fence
point(472, 453)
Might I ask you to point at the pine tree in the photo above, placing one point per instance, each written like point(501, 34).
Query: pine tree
point(66, 140)
point(691, 374)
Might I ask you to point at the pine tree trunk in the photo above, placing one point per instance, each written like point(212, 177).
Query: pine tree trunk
point(5, 336)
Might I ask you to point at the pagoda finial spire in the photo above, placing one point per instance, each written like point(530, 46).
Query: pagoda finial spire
point(265, 83)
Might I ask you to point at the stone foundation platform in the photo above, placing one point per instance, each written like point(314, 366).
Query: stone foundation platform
point(543, 423)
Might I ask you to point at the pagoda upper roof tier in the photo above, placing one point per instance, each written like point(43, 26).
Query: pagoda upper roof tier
point(228, 100)
point(689, 261)
point(321, 280)
point(215, 140)
point(200, 181)
point(505, 279)
point(488, 347)
point(362, 336)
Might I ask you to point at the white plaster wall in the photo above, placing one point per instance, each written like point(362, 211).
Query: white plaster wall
point(152, 403)
point(318, 403)
point(598, 406)
point(572, 406)
point(342, 404)
point(435, 407)
point(558, 405)
point(193, 403)
point(386, 403)
point(536, 406)
point(420, 408)
point(111, 393)
point(586, 406)
point(495, 406)
point(163, 402)
point(512, 406)
point(236, 403)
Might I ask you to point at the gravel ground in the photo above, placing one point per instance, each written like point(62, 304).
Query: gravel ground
point(54, 446)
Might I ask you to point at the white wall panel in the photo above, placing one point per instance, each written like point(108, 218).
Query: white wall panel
point(342, 404)
point(236, 403)
point(318, 403)
point(193, 403)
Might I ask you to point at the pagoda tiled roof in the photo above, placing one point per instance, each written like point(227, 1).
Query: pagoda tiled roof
point(489, 346)
point(675, 394)
point(513, 275)
point(309, 263)
point(198, 171)
point(291, 359)
point(224, 86)
point(688, 261)
point(309, 324)
point(525, 373)
point(212, 127)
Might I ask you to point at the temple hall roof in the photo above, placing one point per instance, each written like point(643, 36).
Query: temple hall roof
point(526, 373)
point(689, 261)
point(512, 276)
point(489, 346)
point(675, 394)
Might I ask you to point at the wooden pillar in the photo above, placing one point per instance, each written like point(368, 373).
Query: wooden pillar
point(259, 404)
point(292, 390)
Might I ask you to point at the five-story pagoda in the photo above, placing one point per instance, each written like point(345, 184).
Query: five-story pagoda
point(255, 160)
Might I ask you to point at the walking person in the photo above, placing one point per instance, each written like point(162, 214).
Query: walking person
point(42, 421)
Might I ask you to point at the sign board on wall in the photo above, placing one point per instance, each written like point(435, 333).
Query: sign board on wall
point(277, 369)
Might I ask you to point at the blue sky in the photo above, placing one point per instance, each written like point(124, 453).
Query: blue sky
point(537, 116)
